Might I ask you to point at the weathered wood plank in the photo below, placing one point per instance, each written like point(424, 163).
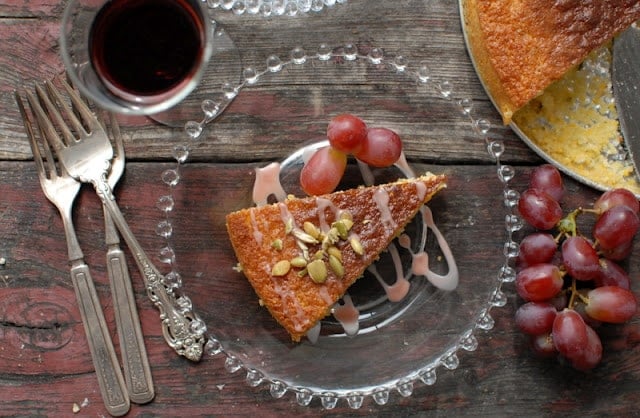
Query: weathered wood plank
point(287, 109)
point(45, 366)
point(46, 359)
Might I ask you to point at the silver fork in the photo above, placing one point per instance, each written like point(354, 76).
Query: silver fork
point(86, 156)
point(62, 189)
point(137, 372)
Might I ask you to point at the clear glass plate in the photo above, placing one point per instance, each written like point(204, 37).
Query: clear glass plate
point(399, 344)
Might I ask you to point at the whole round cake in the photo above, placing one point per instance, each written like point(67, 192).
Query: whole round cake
point(521, 47)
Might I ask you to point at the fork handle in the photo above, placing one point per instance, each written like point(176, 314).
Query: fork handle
point(176, 322)
point(137, 372)
point(105, 362)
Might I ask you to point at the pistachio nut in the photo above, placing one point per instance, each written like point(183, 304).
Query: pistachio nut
point(298, 262)
point(317, 271)
point(336, 266)
point(335, 251)
point(356, 245)
point(281, 268)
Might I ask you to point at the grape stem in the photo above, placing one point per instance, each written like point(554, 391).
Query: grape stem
point(573, 290)
point(568, 224)
point(575, 294)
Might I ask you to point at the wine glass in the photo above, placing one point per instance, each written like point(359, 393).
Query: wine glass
point(147, 57)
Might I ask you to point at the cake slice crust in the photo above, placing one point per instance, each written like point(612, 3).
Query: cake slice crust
point(269, 240)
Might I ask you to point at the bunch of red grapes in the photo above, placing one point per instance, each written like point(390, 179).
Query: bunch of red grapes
point(348, 135)
point(572, 283)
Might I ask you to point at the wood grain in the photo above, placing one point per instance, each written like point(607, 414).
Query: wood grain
point(45, 366)
point(45, 355)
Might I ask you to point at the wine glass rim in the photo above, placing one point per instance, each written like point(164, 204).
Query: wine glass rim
point(135, 104)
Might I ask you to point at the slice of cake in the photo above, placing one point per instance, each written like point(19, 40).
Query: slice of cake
point(301, 255)
point(521, 47)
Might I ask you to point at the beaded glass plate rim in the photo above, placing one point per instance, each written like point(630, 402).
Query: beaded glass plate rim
point(268, 8)
point(505, 273)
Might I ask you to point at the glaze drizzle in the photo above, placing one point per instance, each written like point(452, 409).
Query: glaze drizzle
point(267, 183)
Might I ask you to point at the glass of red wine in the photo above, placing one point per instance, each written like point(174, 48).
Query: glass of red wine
point(142, 57)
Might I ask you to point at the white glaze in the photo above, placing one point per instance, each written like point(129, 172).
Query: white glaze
point(257, 235)
point(268, 183)
point(381, 199)
point(347, 314)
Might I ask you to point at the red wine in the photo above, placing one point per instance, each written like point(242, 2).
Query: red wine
point(147, 47)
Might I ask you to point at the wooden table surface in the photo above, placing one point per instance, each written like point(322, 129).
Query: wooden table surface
point(45, 366)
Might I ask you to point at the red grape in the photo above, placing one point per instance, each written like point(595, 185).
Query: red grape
point(543, 345)
point(611, 304)
point(323, 172)
point(535, 318)
point(619, 253)
point(611, 274)
point(591, 353)
point(580, 259)
point(381, 148)
point(537, 248)
point(569, 333)
point(581, 309)
point(617, 197)
point(548, 179)
point(347, 133)
point(559, 301)
point(539, 209)
point(539, 282)
point(560, 315)
point(615, 227)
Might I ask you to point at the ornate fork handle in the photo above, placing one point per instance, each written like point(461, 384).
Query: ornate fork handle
point(176, 323)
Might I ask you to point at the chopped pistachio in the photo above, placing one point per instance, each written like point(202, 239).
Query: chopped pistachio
point(303, 272)
point(356, 245)
point(317, 271)
point(276, 244)
point(288, 226)
point(311, 229)
point(334, 251)
point(281, 268)
point(336, 266)
point(346, 215)
point(304, 237)
point(298, 262)
point(333, 235)
point(302, 245)
point(341, 228)
point(348, 223)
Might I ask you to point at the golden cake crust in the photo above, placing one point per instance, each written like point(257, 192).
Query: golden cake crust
point(521, 46)
point(295, 301)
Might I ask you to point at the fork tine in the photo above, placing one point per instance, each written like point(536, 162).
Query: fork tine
point(51, 161)
point(47, 133)
point(56, 105)
point(35, 150)
point(46, 126)
point(80, 105)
